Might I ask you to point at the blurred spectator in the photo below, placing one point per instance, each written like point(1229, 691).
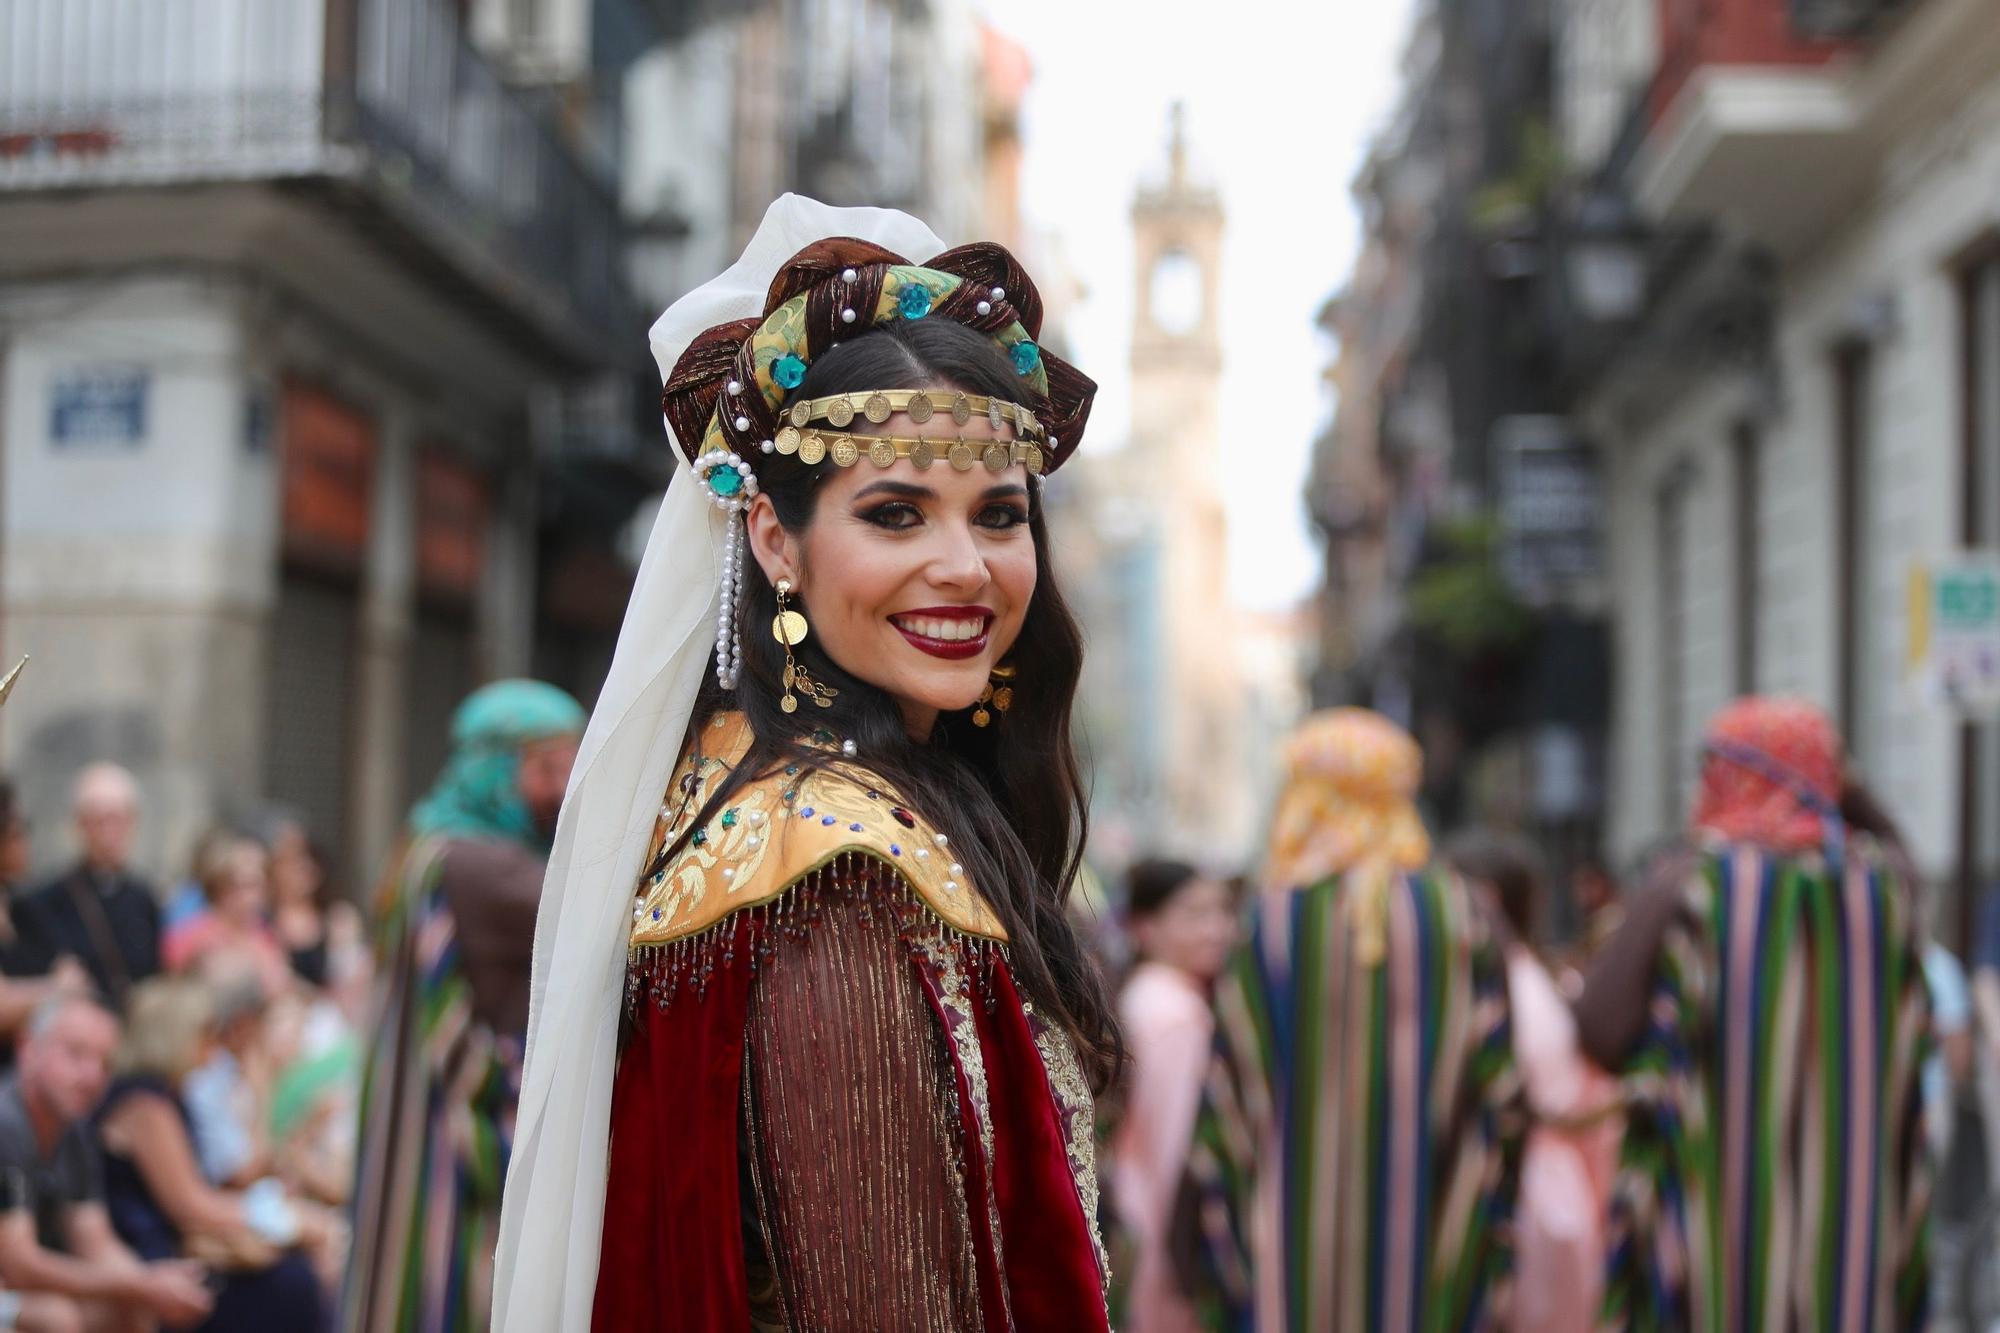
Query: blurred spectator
point(310, 1108)
point(1366, 979)
point(235, 880)
point(55, 1236)
point(99, 912)
point(1950, 1066)
point(1984, 960)
point(1594, 890)
point(160, 1201)
point(1951, 1105)
point(321, 934)
point(21, 993)
point(225, 1109)
point(14, 860)
point(1775, 969)
point(1183, 925)
point(444, 1064)
point(1572, 1153)
point(188, 903)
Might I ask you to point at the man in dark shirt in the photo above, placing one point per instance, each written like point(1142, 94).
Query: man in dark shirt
point(55, 1236)
point(98, 913)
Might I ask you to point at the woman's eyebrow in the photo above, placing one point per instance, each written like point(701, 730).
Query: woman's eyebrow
point(902, 490)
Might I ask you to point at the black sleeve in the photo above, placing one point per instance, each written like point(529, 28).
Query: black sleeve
point(82, 1167)
point(146, 956)
point(17, 1188)
point(35, 949)
point(15, 1193)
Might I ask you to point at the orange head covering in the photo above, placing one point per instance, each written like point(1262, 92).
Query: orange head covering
point(1349, 805)
point(1771, 775)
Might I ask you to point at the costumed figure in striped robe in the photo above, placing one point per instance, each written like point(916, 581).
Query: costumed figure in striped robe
point(814, 1045)
point(1765, 1004)
point(1358, 1148)
point(456, 921)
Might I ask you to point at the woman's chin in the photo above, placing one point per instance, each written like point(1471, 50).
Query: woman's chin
point(947, 690)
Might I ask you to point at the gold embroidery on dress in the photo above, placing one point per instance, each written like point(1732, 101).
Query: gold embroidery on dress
point(1078, 1112)
point(961, 1030)
point(777, 831)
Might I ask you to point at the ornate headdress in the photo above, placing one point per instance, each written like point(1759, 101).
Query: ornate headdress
point(726, 396)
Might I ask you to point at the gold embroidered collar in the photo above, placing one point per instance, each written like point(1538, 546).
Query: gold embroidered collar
point(780, 829)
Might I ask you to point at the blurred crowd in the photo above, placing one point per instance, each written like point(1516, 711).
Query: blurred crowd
point(227, 1104)
point(1596, 1150)
point(180, 1076)
point(224, 1104)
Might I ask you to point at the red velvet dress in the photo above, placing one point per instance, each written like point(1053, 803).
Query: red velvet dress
point(834, 1110)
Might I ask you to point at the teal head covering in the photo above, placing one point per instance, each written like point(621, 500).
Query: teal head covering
point(478, 794)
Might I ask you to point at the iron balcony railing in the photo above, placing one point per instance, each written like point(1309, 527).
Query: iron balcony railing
point(1842, 18)
point(385, 96)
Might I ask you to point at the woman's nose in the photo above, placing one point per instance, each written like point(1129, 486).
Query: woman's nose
point(958, 563)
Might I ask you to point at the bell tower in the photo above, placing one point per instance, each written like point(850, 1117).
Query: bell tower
point(1176, 466)
point(1176, 333)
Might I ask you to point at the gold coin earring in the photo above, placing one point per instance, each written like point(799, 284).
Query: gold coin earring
point(789, 628)
point(997, 697)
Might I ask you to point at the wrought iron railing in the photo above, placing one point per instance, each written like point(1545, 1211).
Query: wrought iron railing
point(387, 95)
point(1842, 18)
point(133, 91)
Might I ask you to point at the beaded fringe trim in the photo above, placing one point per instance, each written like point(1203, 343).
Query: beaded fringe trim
point(663, 971)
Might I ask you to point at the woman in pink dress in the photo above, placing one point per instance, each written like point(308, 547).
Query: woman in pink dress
point(1184, 926)
point(1572, 1151)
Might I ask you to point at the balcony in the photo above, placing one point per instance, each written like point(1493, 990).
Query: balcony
point(377, 111)
point(1778, 124)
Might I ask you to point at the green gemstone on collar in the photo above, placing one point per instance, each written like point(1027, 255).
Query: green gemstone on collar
point(700, 837)
point(729, 817)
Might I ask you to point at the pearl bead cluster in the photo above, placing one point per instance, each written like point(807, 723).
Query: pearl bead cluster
point(986, 307)
point(848, 276)
point(735, 390)
point(734, 502)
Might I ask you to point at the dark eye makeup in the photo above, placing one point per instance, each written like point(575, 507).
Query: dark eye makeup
point(897, 515)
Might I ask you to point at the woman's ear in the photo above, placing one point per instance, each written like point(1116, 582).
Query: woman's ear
point(775, 550)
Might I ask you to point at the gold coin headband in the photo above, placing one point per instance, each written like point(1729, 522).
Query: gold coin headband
point(919, 405)
point(962, 454)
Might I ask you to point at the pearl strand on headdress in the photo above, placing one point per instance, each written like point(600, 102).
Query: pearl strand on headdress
point(728, 646)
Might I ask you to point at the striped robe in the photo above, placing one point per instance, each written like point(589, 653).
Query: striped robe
point(1773, 1172)
point(1358, 1147)
point(437, 1123)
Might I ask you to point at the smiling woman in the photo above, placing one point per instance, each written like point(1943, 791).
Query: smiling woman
point(917, 581)
point(855, 1089)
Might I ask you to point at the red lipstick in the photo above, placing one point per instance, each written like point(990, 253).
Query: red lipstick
point(950, 649)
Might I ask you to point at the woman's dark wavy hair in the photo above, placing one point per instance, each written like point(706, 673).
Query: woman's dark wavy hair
point(1010, 796)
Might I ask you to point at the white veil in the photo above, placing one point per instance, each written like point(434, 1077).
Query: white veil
point(545, 1271)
